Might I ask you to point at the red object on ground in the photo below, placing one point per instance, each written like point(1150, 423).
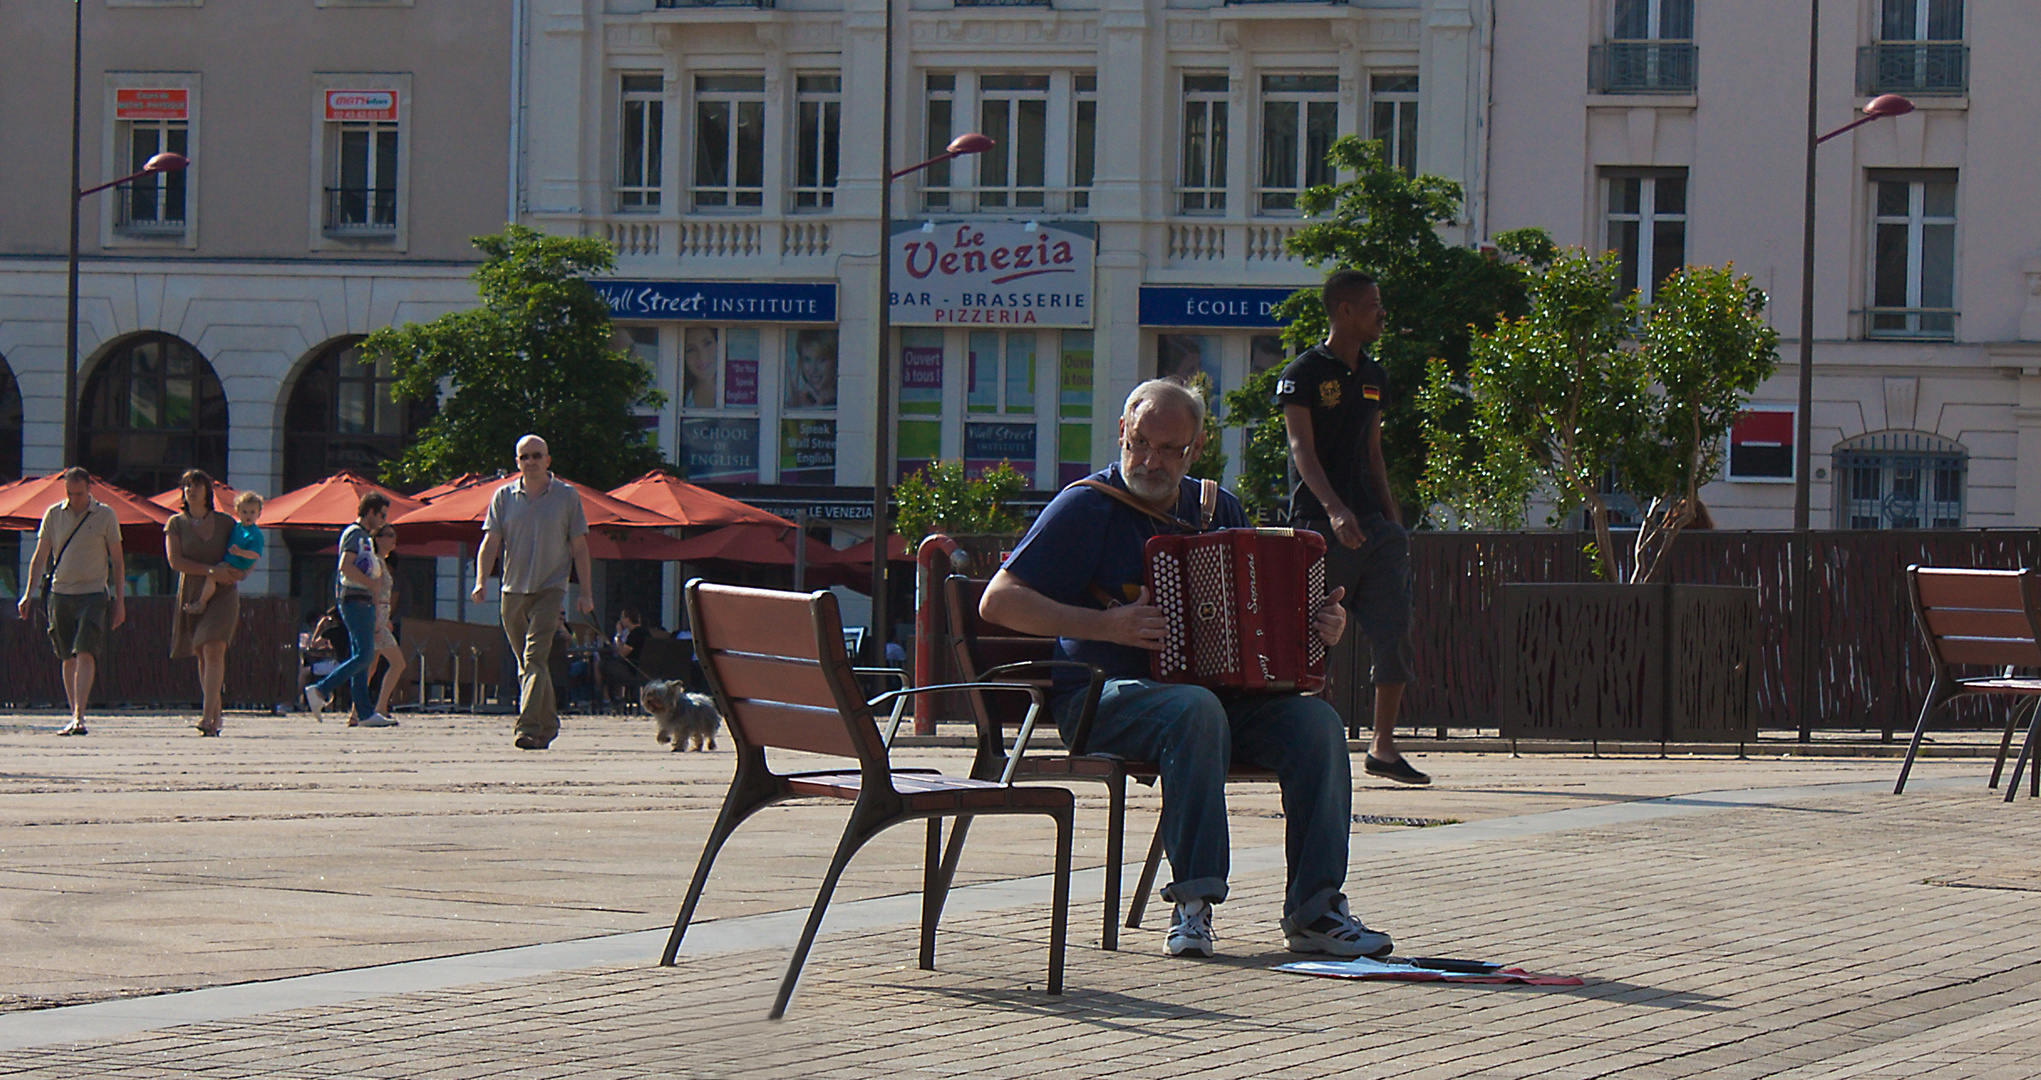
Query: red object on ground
point(141, 521)
point(329, 504)
point(757, 545)
point(458, 514)
point(223, 499)
point(691, 505)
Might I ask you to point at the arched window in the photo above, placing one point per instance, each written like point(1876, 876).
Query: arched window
point(343, 416)
point(10, 424)
point(1900, 480)
point(152, 409)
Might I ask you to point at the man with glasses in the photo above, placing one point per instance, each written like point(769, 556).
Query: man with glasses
point(1077, 575)
point(1332, 407)
point(536, 524)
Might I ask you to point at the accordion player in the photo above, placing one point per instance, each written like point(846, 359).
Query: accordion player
point(1238, 607)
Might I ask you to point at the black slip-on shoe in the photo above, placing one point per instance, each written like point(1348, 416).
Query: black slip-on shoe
point(529, 742)
point(1398, 770)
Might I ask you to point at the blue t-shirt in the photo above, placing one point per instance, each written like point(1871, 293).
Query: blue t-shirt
point(247, 538)
point(1084, 539)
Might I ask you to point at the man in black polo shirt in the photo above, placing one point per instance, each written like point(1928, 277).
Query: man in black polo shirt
point(1332, 403)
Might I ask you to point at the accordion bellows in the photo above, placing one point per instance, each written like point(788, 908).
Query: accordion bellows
point(1237, 606)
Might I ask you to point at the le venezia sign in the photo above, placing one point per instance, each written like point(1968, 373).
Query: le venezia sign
point(992, 273)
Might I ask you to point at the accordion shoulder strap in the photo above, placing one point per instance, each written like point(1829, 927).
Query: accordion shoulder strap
point(1208, 503)
point(1127, 499)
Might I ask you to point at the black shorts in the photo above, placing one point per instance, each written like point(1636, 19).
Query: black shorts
point(1377, 580)
point(77, 623)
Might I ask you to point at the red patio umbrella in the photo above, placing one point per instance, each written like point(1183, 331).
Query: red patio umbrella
point(757, 545)
point(458, 514)
point(141, 521)
point(456, 484)
point(329, 504)
point(860, 553)
point(691, 505)
point(223, 499)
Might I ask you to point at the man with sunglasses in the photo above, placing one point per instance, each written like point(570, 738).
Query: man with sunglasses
point(536, 524)
point(1077, 576)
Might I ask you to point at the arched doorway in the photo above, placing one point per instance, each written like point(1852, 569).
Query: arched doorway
point(151, 409)
point(342, 415)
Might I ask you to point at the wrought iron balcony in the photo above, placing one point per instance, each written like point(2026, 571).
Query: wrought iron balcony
point(763, 5)
point(361, 211)
point(1913, 67)
point(1641, 67)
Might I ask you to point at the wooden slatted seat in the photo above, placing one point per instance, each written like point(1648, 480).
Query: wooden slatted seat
point(1980, 618)
point(990, 654)
point(776, 665)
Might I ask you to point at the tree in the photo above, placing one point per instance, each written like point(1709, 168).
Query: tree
point(1590, 389)
point(939, 499)
point(535, 357)
point(1438, 295)
point(1211, 463)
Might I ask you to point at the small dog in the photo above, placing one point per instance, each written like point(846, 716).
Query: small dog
point(682, 716)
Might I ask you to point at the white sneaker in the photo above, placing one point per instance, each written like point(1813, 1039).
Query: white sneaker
point(1191, 932)
point(1337, 933)
point(376, 719)
point(315, 702)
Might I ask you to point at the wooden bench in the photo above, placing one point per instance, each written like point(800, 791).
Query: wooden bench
point(988, 653)
point(776, 665)
point(1980, 618)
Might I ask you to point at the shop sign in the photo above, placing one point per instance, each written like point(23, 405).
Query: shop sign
point(718, 448)
point(1761, 445)
point(152, 104)
point(807, 451)
point(362, 105)
point(986, 445)
point(992, 273)
point(1202, 306)
point(720, 301)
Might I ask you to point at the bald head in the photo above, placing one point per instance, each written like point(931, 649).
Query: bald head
point(534, 460)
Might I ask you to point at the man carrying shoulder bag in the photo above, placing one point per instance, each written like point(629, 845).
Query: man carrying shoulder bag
point(78, 565)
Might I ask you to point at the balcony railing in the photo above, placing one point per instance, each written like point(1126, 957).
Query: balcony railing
point(361, 211)
point(1005, 200)
point(1913, 67)
point(1641, 67)
point(146, 211)
point(764, 5)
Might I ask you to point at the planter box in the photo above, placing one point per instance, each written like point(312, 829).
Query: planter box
point(1665, 663)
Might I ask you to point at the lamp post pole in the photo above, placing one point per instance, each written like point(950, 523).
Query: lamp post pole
point(882, 357)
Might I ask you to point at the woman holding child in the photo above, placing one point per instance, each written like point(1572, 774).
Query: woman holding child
point(196, 543)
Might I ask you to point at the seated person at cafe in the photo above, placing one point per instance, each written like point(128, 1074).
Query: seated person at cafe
point(620, 674)
point(1077, 576)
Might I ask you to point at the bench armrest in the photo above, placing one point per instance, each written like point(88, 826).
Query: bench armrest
point(1081, 737)
point(1036, 707)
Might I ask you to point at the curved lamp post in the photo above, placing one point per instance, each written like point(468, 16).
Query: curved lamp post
point(1877, 108)
point(882, 367)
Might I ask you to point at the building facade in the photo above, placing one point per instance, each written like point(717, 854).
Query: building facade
point(343, 152)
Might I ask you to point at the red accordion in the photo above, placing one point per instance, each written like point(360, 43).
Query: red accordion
point(1239, 606)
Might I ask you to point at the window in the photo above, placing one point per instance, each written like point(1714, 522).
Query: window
point(342, 414)
point(1299, 120)
point(719, 377)
point(1202, 188)
point(1647, 225)
point(1900, 480)
point(1919, 50)
point(942, 102)
point(153, 204)
point(1393, 118)
point(729, 141)
point(1013, 110)
point(1650, 49)
point(150, 410)
point(1073, 408)
point(641, 126)
point(1001, 385)
point(818, 123)
point(361, 191)
point(1084, 148)
point(1913, 260)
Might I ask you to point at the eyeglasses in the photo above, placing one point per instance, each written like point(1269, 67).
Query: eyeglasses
point(1142, 450)
point(529, 457)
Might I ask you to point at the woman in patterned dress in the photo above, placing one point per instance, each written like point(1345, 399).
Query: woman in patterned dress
point(195, 541)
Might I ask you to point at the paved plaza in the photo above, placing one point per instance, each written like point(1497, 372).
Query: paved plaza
point(306, 900)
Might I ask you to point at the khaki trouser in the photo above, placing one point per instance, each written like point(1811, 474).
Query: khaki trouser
point(529, 621)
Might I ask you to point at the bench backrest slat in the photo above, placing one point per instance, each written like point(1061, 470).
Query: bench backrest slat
point(1981, 617)
point(982, 645)
point(776, 663)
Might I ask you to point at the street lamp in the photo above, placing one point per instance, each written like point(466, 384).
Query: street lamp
point(161, 163)
point(882, 368)
point(1882, 106)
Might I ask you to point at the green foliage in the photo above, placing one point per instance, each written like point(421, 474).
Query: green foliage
point(939, 499)
point(1438, 296)
point(1211, 463)
point(1589, 384)
point(535, 357)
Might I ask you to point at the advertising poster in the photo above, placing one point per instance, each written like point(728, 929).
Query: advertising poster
point(992, 273)
point(807, 451)
point(921, 372)
point(720, 448)
point(915, 444)
point(811, 369)
point(1186, 356)
point(986, 445)
point(700, 348)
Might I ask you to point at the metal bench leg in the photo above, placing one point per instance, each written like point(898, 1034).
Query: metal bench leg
point(1116, 838)
point(933, 887)
point(1920, 728)
point(2005, 742)
point(854, 838)
point(1059, 913)
point(1147, 885)
point(2026, 757)
point(736, 807)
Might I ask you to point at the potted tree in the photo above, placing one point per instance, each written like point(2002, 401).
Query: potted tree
point(1593, 391)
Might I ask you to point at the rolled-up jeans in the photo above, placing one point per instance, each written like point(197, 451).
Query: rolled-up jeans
point(1195, 737)
point(359, 616)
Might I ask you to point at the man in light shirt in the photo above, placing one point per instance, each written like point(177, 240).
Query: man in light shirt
point(536, 524)
point(81, 538)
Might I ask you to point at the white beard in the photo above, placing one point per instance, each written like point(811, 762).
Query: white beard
point(1151, 485)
